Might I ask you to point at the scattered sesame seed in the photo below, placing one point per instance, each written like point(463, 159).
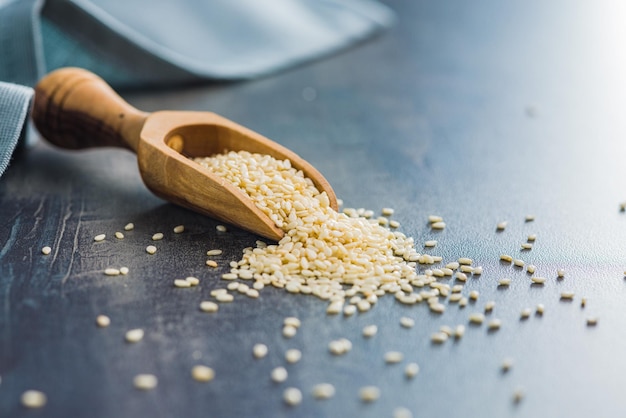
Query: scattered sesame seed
point(292, 396)
point(478, 271)
point(111, 272)
point(289, 331)
point(229, 276)
point(506, 257)
point(279, 374)
point(540, 309)
point(387, 211)
point(213, 252)
point(407, 322)
point(202, 373)
point(46, 250)
point(392, 357)
point(151, 249)
point(292, 321)
point(221, 228)
point(370, 331)
point(460, 276)
point(459, 331)
point(99, 237)
point(490, 305)
point(402, 412)
point(518, 395)
point(465, 261)
point(211, 263)
point(560, 273)
point(252, 293)
point(525, 313)
point(538, 280)
point(463, 302)
point(259, 350)
point(209, 306)
point(394, 224)
point(119, 235)
point(567, 295)
point(507, 363)
point(494, 324)
point(592, 322)
point(349, 310)
point(179, 229)
point(181, 283)
point(134, 335)
point(411, 370)
point(434, 218)
point(473, 295)
point(129, 226)
point(531, 268)
point(532, 237)
point(193, 281)
point(145, 381)
point(369, 393)
point(224, 297)
point(340, 346)
point(504, 282)
point(529, 218)
point(158, 236)
point(438, 225)
point(477, 318)
point(467, 269)
point(518, 263)
point(34, 399)
point(583, 302)
point(124, 270)
point(527, 246)
point(446, 330)
point(437, 307)
point(430, 243)
point(103, 321)
point(501, 226)
point(439, 337)
point(323, 391)
point(293, 355)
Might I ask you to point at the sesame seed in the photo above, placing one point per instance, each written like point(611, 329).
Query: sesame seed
point(221, 228)
point(179, 229)
point(158, 236)
point(292, 321)
point(430, 243)
point(211, 263)
point(434, 218)
point(292, 396)
point(387, 211)
point(224, 297)
point(181, 283)
point(209, 306)
point(529, 218)
point(489, 306)
point(229, 276)
point(467, 269)
point(460, 276)
point(527, 246)
point(465, 261)
point(477, 318)
point(525, 313)
point(34, 399)
point(323, 391)
point(501, 225)
point(402, 412)
point(369, 393)
point(507, 364)
point(46, 250)
point(99, 237)
point(459, 331)
point(252, 293)
point(455, 297)
point(567, 295)
point(289, 331)
point(293, 355)
point(129, 226)
point(103, 321)
point(504, 282)
point(392, 357)
point(259, 350)
point(538, 280)
point(518, 395)
point(478, 271)
point(518, 263)
point(151, 249)
point(560, 273)
point(411, 370)
point(438, 225)
point(213, 252)
point(473, 295)
point(531, 268)
point(119, 235)
point(193, 281)
point(202, 373)
point(439, 337)
point(134, 335)
point(506, 257)
point(532, 237)
point(145, 381)
point(111, 272)
point(592, 322)
point(407, 322)
point(349, 310)
point(540, 309)
point(279, 374)
point(124, 270)
point(494, 324)
point(583, 302)
point(216, 292)
point(437, 307)
point(463, 302)
point(394, 224)
point(370, 331)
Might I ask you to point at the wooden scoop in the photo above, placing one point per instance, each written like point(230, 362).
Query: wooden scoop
point(76, 109)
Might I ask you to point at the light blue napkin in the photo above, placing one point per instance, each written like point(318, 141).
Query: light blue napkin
point(143, 43)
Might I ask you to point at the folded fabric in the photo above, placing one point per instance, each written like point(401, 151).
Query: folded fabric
point(138, 43)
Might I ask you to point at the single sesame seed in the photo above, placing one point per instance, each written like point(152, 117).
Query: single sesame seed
point(490, 305)
point(506, 257)
point(46, 250)
point(103, 321)
point(99, 237)
point(467, 269)
point(434, 218)
point(518, 395)
point(540, 309)
point(259, 350)
point(529, 218)
point(501, 225)
point(224, 297)
point(465, 261)
point(292, 321)
point(289, 331)
point(504, 282)
point(527, 246)
point(567, 295)
point(111, 272)
point(181, 283)
point(221, 228)
point(119, 235)
point(478, 271)
point(124, 270)
point(392, 357)
point(293, 355)
point(477, 318)
point(402, 412)
point(292, 396)
point(209, 306)
point(202, 373)
point(252, 293)
point(179, 229)
point(158, 236)
point(560, 273)
point(193, 281)
point(525, 313)
point(369, 393)
point(229, 276)
point(213, 252)
point(430, 243)
point(460, 276)
point(455, 297)
point(592, 322)
point(134, 335)
point(407, 322)
point(151, 249)
point(494, 324)
point(211, 263)
point(507, 364)
point(583, 302)
point(216, 292)
point(129, 226)
point(437, 307)
point(349, 310)
point(531, 268)
point(532, 237)
point(463, 302)
point(459, 331)
point(439, 337)
point(518, 263)
point(323, 391)
point(370, 331)
point(387, 211)
point(438, 225)
point(473, 295)
point(394, 224)
point(538, 280)
point(145, 381)
point(411, 370)
point(34, 399)
point(279, 374)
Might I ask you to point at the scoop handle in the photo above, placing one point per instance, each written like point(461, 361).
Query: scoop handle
point(76, 109)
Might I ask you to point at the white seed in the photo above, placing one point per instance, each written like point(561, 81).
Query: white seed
point(224, 297)
point(467, 269)
point(411, 370)
point(293, 355)
point(518, 263)
point(151, 249)
point(465, 261)
point(216, 292)
point(292, 321)
point(437, 307)
point(477, 318)
point(124, 270)
point(252, 293)
point(213, 252)
point(145, 381)
point(394, 224)
point(529, 218)
point(460, 276)
point(591, 322)
point(103, 321)
point(525, 313)
point(179, 229)
point(111, 272)
point(202, 373)
point(463, 303)
point(46, 250)
point(34, 399)
point(474, 295)
point(279, 374)
point(292, 396)
point(478, 271)
point(335, 307)
point(229, 276)
point(221, 228)
point(501, 225)
point(370, 331)
point(560, 273)
point(369, 393)
point(453, 265)
point(567, 295)
point(527, 246)
point(430, 243)
point(349, 310)
point(393, 357)
point(259, 350)
point(134, 335)
point(181, 283)
point(99, 237)
point(211, 263)
point(193, 281)
point(540, 309)
point(457, 288)
point(455, 297)
point(504, 282)
point(119, 235)
point(494, 324)
point(507, 364)
point(407, 322)
point(387, 211)
point(323, 391)
point(439, 337)
point(438, 225)
point(489, 306)
point(209, 306)
point(129, 226)
point(531, 268)
point(434, 218)
point(506, 257)
point(538, 280)
point(532, 237)
point(289, 331)
point(158, 236)
point(402, 412)
point(583, 302)
point(459, 331)
point(518, 395)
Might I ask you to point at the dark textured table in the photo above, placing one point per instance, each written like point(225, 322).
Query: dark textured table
point(479, 112)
